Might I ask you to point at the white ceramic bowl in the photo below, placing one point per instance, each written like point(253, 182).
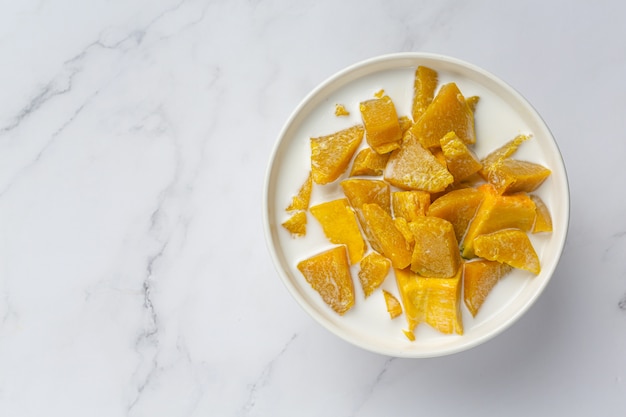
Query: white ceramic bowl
point(502, 113)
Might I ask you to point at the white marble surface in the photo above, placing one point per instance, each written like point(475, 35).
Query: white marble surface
point(134, 276)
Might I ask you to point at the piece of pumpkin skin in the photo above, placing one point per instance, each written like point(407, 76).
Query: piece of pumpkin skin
point(510, 246)
point(329, 274)
point(340, 226)
point(381, 227)
point(331, 154)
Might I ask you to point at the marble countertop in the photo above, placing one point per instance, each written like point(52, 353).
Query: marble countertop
point(134, 274)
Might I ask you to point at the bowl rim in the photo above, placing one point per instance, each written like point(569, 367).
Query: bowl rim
point(408, 58)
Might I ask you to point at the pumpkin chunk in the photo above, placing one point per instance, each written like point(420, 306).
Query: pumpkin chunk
point(412, 167)
point(296, 224)
point(374, 270)
point(510, 246)
point(495, 157)
point(302, 199)
point(340, 226)
point(472, 102)
point(382, 128)
point(386, 236)
point(363, 191)
point(393, 305)
point(435, 301)
point(369, 163)
point(329, 274)
point(436, 250)
point(340, 110)
point(331, 154)
point(512, 175)
point(410, 204)
point(458, 207)
point(447, 113)
point(543, 220)
point(498, 212)
point(405, 124)
point(424, 86)
point(479, 278)
point(460, 160)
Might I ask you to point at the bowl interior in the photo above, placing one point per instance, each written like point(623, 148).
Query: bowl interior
point(501, 114)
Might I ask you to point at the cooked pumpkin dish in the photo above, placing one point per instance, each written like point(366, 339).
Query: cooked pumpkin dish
point(426, 225)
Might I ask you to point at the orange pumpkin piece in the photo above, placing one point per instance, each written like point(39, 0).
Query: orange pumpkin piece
point(386, 236)
point(498, 212)
point(374, 270)
point(394, 308)
point(296, 224)
point(369, 163)
point(510, 246)
point(405, 124)
point(302, 199)
point(382, 128)
point(410, 204)
point(512, 175)
point(340, 226)
point(434, 301)
point(458, 207)
point(447, 113)
point(412, 167)
point(340, 110)
point(329, 274)
point(496, 156)
point(460, 160)
point(331, 154)
point(543, 220)
point(472, 102)
point(436, 250)
point(403, 226)
point(362, 191)
point(424, 86)
point(479, 278)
